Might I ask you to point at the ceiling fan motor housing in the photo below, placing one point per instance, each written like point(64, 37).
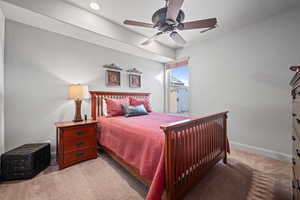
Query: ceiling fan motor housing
point(159, 20)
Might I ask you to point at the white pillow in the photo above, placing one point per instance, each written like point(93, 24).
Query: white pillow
point(104, 108)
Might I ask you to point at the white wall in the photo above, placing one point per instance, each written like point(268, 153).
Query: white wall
point(63, 18)
point(246, 72)
point(39, 65)
point(2, 28)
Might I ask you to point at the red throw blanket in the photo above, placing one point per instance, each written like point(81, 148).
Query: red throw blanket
point(140, 142)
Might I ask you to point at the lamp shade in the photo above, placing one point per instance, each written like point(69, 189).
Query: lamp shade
point(78, 91)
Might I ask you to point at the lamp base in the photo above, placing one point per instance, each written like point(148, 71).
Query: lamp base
point(76, 120)
point(77, 117)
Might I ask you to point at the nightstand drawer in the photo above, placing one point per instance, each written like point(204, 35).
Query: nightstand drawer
point(79, 143)
point(296, 170)
point(80, 155)
point(296, 166)
point(78, 132)
point(296, 126)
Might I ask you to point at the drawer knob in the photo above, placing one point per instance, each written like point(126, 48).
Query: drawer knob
point(80, 154)
point(298, 152)
point(295, 184)
point(79, 144)
point(293, 94)
point(293, 138)
point(294, 115)
point(294, 161)
point(82, 132)
point(298, 121)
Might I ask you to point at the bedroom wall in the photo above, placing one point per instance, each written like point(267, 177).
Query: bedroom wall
point(39, 66)
point(247, 73)
point(2, 28)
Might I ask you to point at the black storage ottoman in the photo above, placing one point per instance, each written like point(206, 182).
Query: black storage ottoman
point(25, 161)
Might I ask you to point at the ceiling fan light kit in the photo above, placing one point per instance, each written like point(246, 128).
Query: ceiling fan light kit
point(177, 38)
point(170, 19)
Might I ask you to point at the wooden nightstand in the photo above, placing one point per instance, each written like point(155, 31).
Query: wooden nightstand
point(75, 142)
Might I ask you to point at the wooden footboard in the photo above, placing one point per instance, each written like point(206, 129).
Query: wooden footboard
point(192, 147)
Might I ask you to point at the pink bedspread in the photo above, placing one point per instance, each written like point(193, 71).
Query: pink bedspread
point(140, 142)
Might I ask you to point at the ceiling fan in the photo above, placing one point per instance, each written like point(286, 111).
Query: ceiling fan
point(169, 19)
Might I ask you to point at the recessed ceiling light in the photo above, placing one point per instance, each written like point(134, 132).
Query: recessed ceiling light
point(94, 5)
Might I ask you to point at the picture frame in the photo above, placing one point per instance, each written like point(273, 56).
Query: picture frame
point(113, 78)
point(135, 81)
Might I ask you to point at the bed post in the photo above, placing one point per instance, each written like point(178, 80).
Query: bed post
point(93, 106)
point(169, 166)
point(225, 138)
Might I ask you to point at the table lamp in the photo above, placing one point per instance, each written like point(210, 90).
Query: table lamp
point(78, 92)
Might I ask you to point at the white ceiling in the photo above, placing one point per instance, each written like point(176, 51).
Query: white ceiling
point(231, 14)
point(83, 25)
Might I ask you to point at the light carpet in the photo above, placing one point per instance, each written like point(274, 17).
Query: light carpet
point(247, 176)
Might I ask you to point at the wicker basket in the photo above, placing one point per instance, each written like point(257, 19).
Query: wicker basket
point(25, 161)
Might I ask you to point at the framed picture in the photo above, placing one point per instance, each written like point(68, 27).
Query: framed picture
point(134, 81)
point(113, 78)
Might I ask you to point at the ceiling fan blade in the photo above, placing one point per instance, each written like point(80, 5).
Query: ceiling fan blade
point(149, 40)
point(177, 38)
point(136, 23)
point(205, 23)
point(208, 29)
point(173, 9)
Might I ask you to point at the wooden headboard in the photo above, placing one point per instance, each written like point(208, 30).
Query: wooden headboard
point(98, 96)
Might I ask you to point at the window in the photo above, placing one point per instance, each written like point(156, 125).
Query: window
point(178, 87)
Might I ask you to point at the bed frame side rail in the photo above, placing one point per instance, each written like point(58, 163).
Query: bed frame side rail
point(192, 147)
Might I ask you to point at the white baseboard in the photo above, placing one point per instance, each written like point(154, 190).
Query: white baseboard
point(261, 151)
point(53, 155)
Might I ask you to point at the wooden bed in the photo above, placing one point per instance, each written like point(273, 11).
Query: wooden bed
point(179, 136)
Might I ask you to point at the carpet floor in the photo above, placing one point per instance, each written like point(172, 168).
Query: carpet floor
point(247, 176)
